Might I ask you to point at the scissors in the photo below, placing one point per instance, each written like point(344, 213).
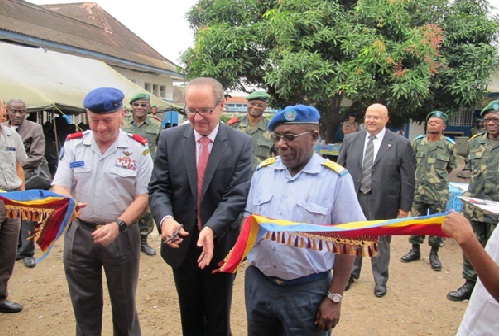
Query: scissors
point(175, 237)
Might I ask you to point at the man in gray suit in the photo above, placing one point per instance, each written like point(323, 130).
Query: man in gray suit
point(198, 189)
point(382, 165)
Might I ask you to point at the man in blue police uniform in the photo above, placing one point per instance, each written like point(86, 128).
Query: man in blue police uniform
point(107, 171)
point(289, 290)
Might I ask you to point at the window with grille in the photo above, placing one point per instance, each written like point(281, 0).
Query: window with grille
point(463, 118)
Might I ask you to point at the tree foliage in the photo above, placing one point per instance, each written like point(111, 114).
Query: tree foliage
point(413, 56)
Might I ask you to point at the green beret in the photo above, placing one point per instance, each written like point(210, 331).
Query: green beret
point(139, 96)
point(260, 95)
point(437, 114)
point(491, 107)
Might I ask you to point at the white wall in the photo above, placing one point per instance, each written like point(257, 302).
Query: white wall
point(142, 78)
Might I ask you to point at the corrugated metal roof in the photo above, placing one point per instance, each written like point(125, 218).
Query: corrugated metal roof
point(84, 26)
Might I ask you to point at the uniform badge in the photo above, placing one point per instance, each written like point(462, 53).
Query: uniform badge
point(10, 149)
point(126, 162)
point(290, 115)
point(76, 164)
point(146, 152)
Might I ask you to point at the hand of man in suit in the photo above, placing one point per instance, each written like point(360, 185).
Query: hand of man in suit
point(169, 228)
point(206, 241)
point(402, 213)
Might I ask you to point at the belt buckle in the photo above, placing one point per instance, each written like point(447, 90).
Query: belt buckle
point(279, 282)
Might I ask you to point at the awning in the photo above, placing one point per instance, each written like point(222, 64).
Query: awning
point(48, 80)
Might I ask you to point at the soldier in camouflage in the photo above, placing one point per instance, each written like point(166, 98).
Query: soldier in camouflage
point(255, 125)
point(483, 163)
point(140, 123)
point(436, 158)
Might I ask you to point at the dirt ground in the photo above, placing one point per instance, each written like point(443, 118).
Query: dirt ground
point(415, 303)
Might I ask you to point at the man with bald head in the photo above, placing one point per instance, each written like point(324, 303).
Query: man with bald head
point(382, 165)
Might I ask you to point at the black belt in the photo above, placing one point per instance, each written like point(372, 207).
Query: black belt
point(91, 225)
point(302, 280)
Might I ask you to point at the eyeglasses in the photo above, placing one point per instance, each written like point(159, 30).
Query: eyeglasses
point(493, 120)
point(376, 118)
point(203, 112)
point(139, 104)
point(288, 137)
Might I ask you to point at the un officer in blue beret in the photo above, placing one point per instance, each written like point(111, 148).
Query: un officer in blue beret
point(107, 171)
point(290, 290)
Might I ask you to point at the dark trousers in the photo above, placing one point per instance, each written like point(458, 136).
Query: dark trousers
point(83, 264)
point(274, 310)
point(25, 246)
point(483, 232)
point(380, 263)
point(9, 233)
point(204, 298)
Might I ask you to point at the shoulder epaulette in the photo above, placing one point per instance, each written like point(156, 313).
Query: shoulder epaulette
point(232, 121)
point(139, 139)
point(421, 136)
point(266, 162)
point(475, 135)
point(450, 140)
point(335, 167)
point(77, 135)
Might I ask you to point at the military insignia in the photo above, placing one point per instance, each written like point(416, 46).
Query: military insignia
point(10, 149)
point(126, 162)
point(267, 162)
point(335, 167)
point(495, 106)
point(450, 140)
point(290, 115)
point(146, 152)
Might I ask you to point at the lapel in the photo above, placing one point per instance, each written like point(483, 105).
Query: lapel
point(189, 153)
point(220, 145)
point(387, 144)
point(359, 146)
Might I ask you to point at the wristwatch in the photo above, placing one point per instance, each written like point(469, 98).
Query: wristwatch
point(122, 226)
point(336, 298)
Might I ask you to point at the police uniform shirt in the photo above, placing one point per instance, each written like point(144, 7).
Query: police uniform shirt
point(11, 150)
point(316, 195)
point(107, 182)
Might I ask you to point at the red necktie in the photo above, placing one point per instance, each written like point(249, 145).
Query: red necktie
point(202, 166)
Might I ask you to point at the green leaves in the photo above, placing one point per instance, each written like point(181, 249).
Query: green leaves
point(414, 56)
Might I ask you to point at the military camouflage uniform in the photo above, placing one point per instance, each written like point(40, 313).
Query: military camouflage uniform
point(433, 160)
point(149, 129)
point(262, 142)
point(483, 163)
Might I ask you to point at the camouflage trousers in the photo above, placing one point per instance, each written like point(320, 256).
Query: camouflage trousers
point(146, 223)
point(421, 209)
point(483, 232)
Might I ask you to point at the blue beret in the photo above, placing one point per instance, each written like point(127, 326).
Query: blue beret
point(104, 100)
point(139, 96)
point(437, 114)
point(298, 114)
point(491, 107)
point(260, 95)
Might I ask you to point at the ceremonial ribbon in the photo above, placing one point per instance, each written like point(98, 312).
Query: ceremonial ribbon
point(51, 211)
point(355, 238)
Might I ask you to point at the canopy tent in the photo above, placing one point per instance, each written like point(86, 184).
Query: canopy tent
point(48, 80)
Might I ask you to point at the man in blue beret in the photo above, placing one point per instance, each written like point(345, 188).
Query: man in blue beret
point(435, 160)
point(139, 122)
point(107, 171)
point(483, 164)
point(255, 125)
point(290, 290)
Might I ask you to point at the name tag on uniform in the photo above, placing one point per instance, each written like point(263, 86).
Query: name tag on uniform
point(10, 149)
point(76, 164)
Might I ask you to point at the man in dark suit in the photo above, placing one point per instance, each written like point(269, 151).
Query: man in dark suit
point(384, 178)
point(198, 232)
